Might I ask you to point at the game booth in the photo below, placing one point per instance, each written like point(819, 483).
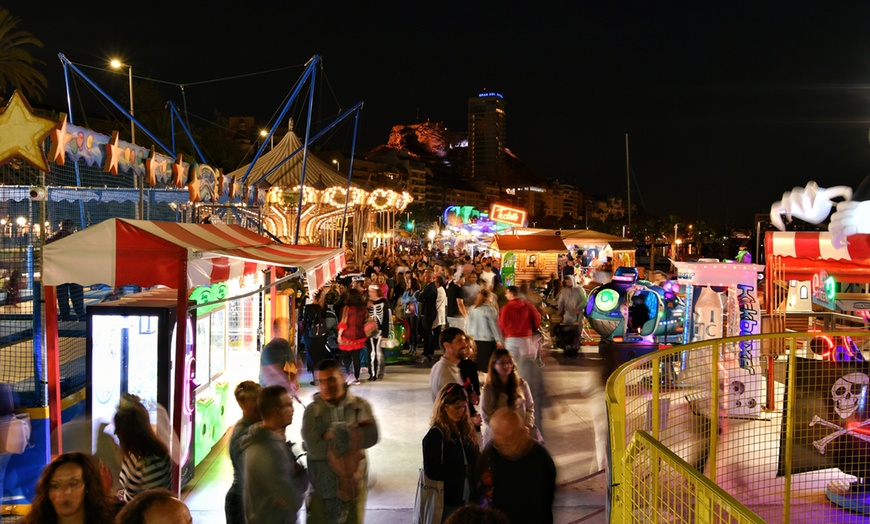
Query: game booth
point(136, 344)
point(833, 378)
point(527, 257)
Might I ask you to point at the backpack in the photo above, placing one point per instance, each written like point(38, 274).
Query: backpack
point(330, 323)
point(315, 322)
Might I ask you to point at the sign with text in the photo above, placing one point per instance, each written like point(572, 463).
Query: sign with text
point(508, 215)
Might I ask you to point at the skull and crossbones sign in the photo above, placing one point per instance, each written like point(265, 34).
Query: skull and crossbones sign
point(846, 392)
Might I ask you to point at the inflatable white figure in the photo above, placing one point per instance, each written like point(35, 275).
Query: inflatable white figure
point(813, 204)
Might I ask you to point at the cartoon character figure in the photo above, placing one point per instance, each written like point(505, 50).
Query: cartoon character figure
point(813, 204)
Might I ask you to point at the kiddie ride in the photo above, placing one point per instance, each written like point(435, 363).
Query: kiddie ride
point(634, 317)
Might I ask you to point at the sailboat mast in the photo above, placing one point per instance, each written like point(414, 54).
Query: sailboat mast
point(628, 180)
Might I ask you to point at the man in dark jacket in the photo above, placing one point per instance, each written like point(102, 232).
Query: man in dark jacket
point(274, 483)
point(247, 394)
point(428, 313)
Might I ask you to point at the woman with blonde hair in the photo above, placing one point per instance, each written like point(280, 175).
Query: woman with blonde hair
point(482, 326)
point(450, 448)
point(505, 388)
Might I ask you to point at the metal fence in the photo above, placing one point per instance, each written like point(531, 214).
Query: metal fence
point(783, 434)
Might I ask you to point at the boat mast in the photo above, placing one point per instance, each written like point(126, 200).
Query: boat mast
point(628, 181)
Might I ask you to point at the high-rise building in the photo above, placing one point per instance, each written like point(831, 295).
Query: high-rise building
point(487, 133)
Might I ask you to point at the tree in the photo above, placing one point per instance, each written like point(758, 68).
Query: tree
point(651, 230)
point(16, 62)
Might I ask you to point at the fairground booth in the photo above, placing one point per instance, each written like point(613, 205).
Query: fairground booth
point(137, 345)
point(527, 257)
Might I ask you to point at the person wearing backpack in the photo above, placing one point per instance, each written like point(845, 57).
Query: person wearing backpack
point(314, 331)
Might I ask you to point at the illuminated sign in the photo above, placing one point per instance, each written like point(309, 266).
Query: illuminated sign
point(823, 288)
point(206, 294)
point(508, 215)
point(487, 95)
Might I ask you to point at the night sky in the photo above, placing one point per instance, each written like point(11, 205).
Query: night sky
point(727, 104)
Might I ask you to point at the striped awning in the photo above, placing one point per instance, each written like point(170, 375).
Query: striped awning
point(121, 251)
point(805, 253)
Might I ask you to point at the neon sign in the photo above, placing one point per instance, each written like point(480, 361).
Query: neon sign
point(508, 215)
point(487, 95)
point(823, 289)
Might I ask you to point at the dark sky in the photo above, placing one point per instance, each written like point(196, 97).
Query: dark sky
point(727, 104)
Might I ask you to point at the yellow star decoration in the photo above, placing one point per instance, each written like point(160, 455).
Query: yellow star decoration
point(59, 139)
point(22, 133)
point(178, 173)
point(113, 154)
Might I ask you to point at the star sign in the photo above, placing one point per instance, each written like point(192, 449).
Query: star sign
point(59, 139)
point(22, 133)
point(113, 154)
point(178, 173)
point(193, 182)
point(151, 165)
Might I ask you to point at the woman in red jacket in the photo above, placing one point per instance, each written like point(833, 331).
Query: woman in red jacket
point(351, 331)
point(518, 320)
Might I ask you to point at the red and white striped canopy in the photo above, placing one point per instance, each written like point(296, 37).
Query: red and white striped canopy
point(119, 252)
point(805, 253)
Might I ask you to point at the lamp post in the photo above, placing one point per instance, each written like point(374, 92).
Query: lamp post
point(117, 64)
point(676, 228)
point(264, 134)
point(337, 165)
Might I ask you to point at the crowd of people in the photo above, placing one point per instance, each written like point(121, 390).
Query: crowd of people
point(485, 441)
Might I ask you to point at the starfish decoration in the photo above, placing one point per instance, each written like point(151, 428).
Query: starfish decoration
point(233, 188)
point(22, 133)
point(218, 184)
point(193, 182)
point(113, 154)
point(59, 139)
point(151, 165)
point(178, 173)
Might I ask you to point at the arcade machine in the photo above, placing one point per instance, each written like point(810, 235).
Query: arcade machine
point(633, 316)
point(130, 349)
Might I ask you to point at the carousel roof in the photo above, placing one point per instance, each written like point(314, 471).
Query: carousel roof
point(289, 174)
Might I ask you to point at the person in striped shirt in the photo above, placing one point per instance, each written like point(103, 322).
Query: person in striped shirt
point(145, 459)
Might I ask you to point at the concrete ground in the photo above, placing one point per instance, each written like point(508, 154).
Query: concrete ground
point(574, 429)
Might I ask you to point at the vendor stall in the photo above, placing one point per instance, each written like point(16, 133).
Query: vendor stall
point(180, 256)
point(527, 257)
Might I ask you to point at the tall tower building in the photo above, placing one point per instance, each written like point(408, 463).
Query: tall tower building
point(487, 133)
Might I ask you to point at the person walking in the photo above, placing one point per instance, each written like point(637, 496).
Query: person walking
point(337, 428)
point(314, 331)
point(571, 305)
point(246, 394)
point(274, 483)
point(145, 460)
point(515, 474)
point(450, 447)
point(427, 300)
point(505, 388)
point(446, 371)
point(278, 366)
point(482, 327)
point(351, 332)
point(379, 309)
point(70, 291)
point(518, 321)
point(70, 490)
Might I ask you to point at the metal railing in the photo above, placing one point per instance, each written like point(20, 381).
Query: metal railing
point(777, 435)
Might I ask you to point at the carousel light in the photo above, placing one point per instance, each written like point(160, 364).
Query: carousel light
point(431, 234)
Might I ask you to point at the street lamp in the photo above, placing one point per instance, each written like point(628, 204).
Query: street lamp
point(337, 165)
point(117, 64)
point(264, 134)
point(676, 228)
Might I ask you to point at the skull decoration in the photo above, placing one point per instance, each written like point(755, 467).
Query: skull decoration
point(738, 395)
point(847, 391)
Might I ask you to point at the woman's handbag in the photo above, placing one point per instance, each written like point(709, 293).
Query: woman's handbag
point(429, 503)
point(15, 433)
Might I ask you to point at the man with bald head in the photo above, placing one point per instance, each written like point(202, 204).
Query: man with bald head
point(521, 478)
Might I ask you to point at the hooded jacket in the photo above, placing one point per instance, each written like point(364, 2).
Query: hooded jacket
point(274, 490)
point(518, 318)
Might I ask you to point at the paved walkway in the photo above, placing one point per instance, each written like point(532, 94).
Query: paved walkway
point(574, 428)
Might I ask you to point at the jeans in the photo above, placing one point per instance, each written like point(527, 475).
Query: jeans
point(71, 292)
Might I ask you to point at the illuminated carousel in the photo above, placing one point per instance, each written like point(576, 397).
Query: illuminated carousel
point(326, 205)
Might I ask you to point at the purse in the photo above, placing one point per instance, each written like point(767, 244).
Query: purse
point(371, 326)
point(15, 433)
point(429, 502)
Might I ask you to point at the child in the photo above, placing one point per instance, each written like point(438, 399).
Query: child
point(471, 382)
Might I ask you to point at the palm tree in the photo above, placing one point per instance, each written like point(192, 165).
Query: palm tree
point(16, 62)
point(653, 229)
